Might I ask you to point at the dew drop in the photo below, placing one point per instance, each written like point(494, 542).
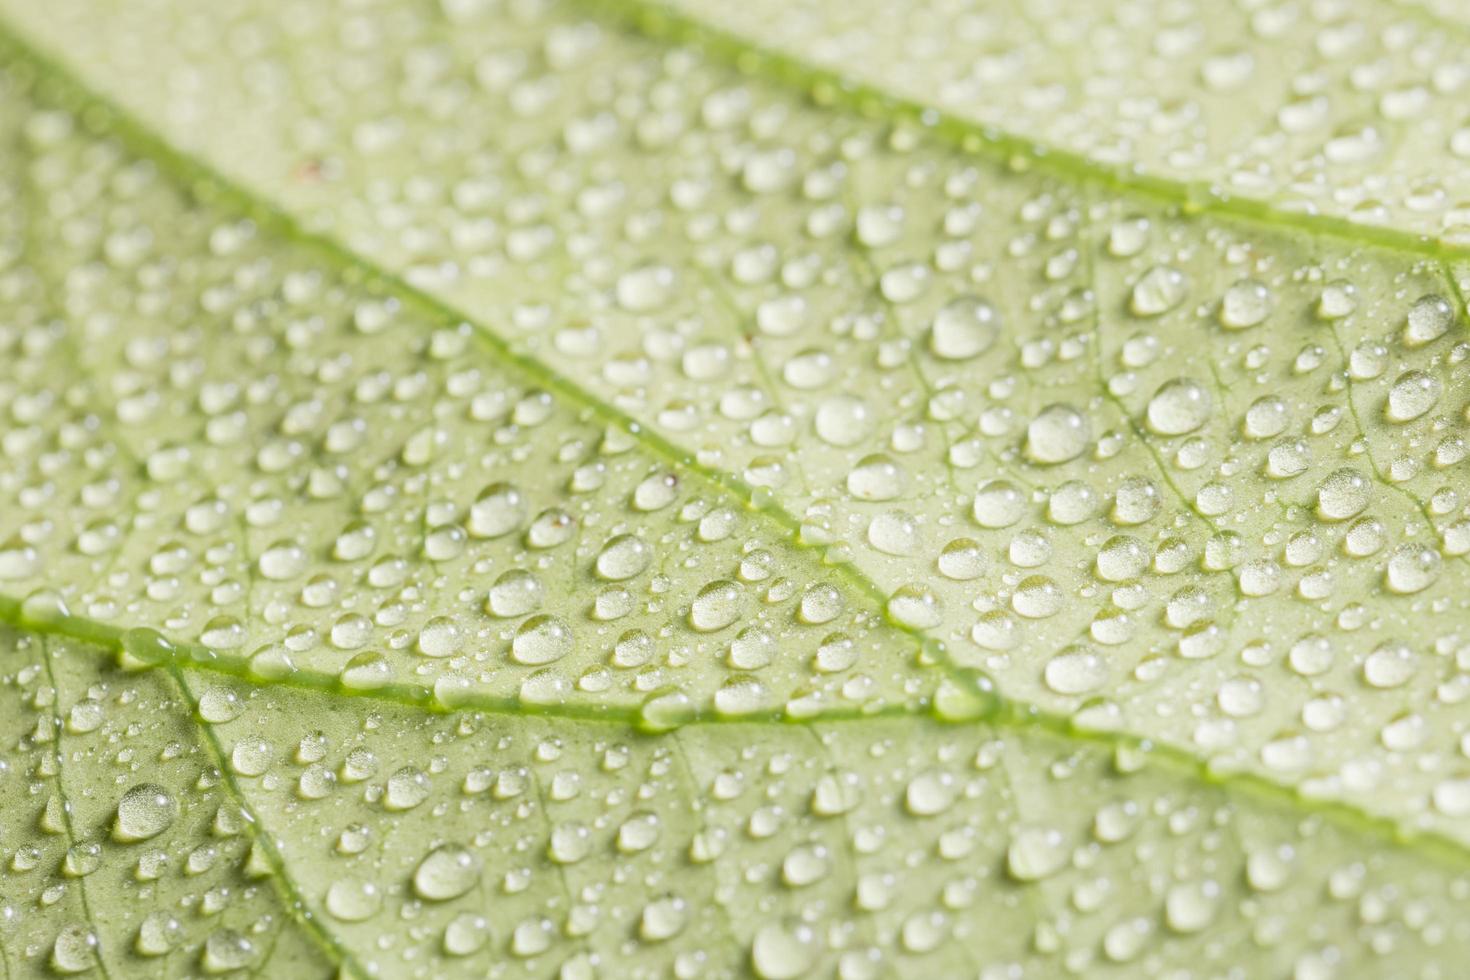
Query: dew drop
point(1035, 853)
point(1158, 290)
point(1179, 406)
point(499, 510)
point(1057, 434)
point(541, 640)
point(446, 872)
point(964, 328)
point(783, 951)
point(1413, 568)
point(1075, 671)
point(998, 504)
point(352, 900)
point(820, 604)
point(1429, 319)
point(930, 793)
point(74, 950)
point(1343, 494)
point(226, 951)
point(516, 592)
point(623, 557)
point(716, 606)
point(144, 811)
point(1247, 303)
point(1412, 395)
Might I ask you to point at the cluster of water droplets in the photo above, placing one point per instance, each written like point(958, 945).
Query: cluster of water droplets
point(1169, 475)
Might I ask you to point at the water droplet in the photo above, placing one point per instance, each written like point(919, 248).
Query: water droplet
point(1413, 568)
point(541, 640)
point(876, 477)
point(1179, 406)
point(499, 510)
point(1035, 853)
point(406, 789)
point(1158, 290)
point(930, 793)
point(964, 328)
point(1391, 665)
point(226, 951)
point(144, 811)
point(251, 756)
point(843, 420)
point(1343, 494)
point(1339, 298)
point(716, 606)
point(515, 593)
point(446, 872)
point(74, 950)
point(1412, 395)
point(646, 288)
point(820, 604)
point(439, 637)
point(1136, 501)
point(1075, 671)
point(1121, 558)
point(353, 900)
point(623, 557)
point(466, 934)
point(998, 504)
point(1057, 434)
point(916, 607)
point(1245, 304)
point(1429, 319)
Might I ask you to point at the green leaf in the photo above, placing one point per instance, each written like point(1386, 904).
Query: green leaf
point(603, 489)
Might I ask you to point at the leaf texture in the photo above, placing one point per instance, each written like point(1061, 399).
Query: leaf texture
point(611, 489)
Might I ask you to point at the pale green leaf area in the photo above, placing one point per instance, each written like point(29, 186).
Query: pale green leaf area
point(568, 489)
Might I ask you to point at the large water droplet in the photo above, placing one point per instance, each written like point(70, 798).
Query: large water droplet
point(446, 872)
point(144, 811)
point(1179, 406)
point(541, 640)
point(964, 328)
point(1057, 434)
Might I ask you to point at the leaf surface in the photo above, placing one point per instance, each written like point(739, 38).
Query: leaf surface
point(534, 489)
